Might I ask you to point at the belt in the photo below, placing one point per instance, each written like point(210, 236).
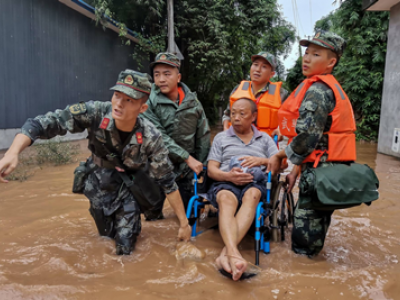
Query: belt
point(102, 163)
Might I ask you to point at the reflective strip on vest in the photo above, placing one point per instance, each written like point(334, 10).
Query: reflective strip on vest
point(272, 89)
point(340, 91)
point(246, 86)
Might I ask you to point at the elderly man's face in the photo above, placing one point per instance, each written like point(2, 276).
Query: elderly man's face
point(241, 116)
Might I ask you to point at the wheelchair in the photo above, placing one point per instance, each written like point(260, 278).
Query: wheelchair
point(273, 214)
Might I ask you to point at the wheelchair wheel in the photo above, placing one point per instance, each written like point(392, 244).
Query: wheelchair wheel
point(274, 220)
point(285, 211)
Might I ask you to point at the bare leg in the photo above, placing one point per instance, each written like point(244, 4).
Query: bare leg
point(245, 216)
point(233, 229)
point(227, 203)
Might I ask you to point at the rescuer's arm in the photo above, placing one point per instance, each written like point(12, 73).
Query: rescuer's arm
point(175, 200)
point(74, 118)
point(202, 142)
point(10, 160)
point(176, 152)
point(318, 103)
point(161, 170)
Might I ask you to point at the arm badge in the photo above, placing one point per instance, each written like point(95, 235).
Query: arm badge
point(78, 109)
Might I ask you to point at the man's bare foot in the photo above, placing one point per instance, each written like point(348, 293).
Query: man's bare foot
point(238, 265)
point(222, 261)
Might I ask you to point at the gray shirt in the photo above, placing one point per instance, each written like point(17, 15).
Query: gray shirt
point(227, 144)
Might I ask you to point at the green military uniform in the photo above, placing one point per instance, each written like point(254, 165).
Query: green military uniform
point(184, 128)
point(311, 226)
point(112, 205)
point(283, 93)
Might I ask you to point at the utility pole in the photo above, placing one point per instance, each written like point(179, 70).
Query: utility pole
point(298, 40)
point(171, 34)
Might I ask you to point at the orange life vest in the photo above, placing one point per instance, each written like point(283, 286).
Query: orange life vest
point(268, 104)
point(341, 137)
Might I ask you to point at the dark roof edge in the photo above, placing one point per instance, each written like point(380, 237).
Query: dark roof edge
point(91, 13)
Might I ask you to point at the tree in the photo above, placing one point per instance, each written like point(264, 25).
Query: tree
point(295, 75)
point(216, 37)
point(362, 66)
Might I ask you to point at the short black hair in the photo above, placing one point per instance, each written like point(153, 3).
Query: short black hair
point(144, 98)
point(253, 105)
point(332, 54)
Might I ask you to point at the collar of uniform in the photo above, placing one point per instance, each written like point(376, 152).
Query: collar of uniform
point(256, 132)
point(139, 124)
point(263, 90)
point(159, 97)
point(111, 122)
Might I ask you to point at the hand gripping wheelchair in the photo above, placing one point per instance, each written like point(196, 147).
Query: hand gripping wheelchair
point(273, 214)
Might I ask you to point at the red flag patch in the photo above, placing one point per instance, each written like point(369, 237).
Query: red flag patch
point(139, 137)
point(104, 123)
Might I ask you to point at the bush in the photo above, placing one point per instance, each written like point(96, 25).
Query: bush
point(51, 152)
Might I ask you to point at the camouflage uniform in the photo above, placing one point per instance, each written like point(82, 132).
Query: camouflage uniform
point(184, 127)
point(311, 226)
point(272, 61)
point(112, 205)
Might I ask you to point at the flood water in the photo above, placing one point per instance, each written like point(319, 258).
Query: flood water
point(50, 249)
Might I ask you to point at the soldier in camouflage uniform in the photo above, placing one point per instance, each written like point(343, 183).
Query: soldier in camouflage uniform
point(260, 83)
point(114, 130)
point(311, 226)
point(180, 117)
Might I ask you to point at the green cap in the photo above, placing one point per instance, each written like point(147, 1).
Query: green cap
point(268, 57)
point(133, 83)
point(328, 40)
point(168, 59)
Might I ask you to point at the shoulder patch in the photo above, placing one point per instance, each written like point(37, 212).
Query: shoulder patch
point(78, 109)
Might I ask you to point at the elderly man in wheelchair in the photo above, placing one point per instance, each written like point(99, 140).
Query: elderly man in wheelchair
point(237, 163)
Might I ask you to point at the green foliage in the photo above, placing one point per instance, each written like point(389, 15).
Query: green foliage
point(217, 38)
point(52, 152)
point(295, 76)
point(361, 69)
point(55, 152)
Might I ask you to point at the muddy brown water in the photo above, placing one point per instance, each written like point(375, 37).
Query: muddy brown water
point(50, 249)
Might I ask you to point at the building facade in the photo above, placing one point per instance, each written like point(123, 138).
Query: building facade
point(52, 55)
point(389, 127)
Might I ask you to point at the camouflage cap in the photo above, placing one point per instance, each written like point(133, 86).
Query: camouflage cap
point(168, 59)
point(327, 39)
point(268, 57)
point(133, 83)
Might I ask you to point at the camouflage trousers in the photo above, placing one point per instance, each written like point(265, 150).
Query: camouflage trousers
point(310, 226)
point(113, 208)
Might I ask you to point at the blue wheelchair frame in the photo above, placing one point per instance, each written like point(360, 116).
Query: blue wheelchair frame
point(264, 210)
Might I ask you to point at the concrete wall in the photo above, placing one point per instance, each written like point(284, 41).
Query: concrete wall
point(52, 56)
point(390, 110)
